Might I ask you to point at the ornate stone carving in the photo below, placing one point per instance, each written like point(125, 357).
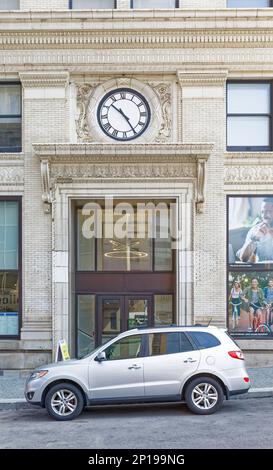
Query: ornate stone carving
point(163, 91)
point(248, 174)
point(11, 175)
point(128, 171)
point(200, 187)
point(46, 191)
point(84, 93)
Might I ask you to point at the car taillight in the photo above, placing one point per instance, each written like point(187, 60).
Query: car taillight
point(236, 355)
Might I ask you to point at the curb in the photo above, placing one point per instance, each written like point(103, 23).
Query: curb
point(21, 403)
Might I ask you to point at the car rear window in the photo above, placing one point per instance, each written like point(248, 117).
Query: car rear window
point(204, 340)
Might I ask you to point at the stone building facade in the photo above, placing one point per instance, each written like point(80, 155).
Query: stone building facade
point(180, 59)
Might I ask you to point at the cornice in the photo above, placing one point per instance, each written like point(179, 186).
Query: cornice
point(97, 152)
point(108, 38)
point(211, 77)
point(44, 79)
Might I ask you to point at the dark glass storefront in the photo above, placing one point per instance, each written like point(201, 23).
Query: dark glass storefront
point(126, 280)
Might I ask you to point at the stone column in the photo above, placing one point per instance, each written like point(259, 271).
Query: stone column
point(44, 120)
point(203, 120)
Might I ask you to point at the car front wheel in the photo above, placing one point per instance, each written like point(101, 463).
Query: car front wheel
point(204, 396)
point(64, 402)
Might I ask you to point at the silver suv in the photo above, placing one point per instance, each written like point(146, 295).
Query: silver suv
point(198, 365)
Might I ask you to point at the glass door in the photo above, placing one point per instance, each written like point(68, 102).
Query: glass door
point(138, 311)
point(110, 313)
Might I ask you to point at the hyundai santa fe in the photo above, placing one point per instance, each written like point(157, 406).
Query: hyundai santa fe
point(197, 365)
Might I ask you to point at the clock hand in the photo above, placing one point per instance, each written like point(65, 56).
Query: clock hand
point(125, 117)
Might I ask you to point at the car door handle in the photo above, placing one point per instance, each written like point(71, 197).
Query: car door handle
point(134, 366)
point(190, 360)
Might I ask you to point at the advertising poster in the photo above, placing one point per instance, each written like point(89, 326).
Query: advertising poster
point(250, 266)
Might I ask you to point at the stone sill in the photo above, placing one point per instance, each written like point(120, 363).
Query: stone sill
point(258, 158)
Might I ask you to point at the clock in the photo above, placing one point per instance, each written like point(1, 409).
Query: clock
point(123, 114)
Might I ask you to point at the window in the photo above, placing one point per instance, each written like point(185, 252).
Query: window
point(92, 4)
point(140, 237)
point(248, 3)
point(154, 4)
point(9, 4)
point(126, 348)
point(204, 340)
point(168, 343)
point(249, 116)
point(9, 267)
point(10, 117)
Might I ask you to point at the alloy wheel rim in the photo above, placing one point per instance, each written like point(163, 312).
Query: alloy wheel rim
point(64, 402)
point(204, 396)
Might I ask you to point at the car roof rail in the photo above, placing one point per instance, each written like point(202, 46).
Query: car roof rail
point(173, 325)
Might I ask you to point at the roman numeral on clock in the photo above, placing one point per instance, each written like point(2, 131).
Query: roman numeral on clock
point(107, 126)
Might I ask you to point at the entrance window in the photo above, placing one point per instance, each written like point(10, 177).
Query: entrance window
point(140, 237)
point(126, 348)
point(163, 310)
point(86, 324)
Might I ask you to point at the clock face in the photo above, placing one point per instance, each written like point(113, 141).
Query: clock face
point(124, 114)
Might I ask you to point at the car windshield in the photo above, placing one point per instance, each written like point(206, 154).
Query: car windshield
point(96, 349)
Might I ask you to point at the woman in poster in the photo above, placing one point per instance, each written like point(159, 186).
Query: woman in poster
point(253, 296)
point(235, 299)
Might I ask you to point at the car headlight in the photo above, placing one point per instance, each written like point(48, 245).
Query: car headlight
point(38, 375)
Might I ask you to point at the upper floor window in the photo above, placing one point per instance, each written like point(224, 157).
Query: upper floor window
point(9, 4)
point(249, 3)
point(95, 4)
point(10, 117)
point(154, 4)
point(249, 116)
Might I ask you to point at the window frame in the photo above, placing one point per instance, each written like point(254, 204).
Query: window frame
point(15, 116)
point(132, 6)
point(245, 148)
point(17, 199)
point(71, 6)
point(270, 6)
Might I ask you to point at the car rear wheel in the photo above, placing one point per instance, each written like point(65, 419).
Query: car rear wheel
point(204, 396)
point(64, 402)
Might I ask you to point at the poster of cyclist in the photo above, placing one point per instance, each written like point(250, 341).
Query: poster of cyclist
point(250, 303)
point(250, 231)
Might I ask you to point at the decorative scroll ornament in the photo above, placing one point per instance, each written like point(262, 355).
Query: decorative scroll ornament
point(46, 191)
point(163, 91)
point(84, 93)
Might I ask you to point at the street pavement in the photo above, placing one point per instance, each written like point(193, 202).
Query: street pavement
point(240, 424)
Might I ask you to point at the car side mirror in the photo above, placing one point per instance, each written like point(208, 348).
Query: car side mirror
point(101, 357)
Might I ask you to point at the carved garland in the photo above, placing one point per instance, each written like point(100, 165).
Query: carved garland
point(84, 93)
point(163, 91)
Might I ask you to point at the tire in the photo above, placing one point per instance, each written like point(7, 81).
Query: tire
point(211, 402)
point(64, 402)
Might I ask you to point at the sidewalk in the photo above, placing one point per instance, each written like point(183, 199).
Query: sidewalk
point(12, 387)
